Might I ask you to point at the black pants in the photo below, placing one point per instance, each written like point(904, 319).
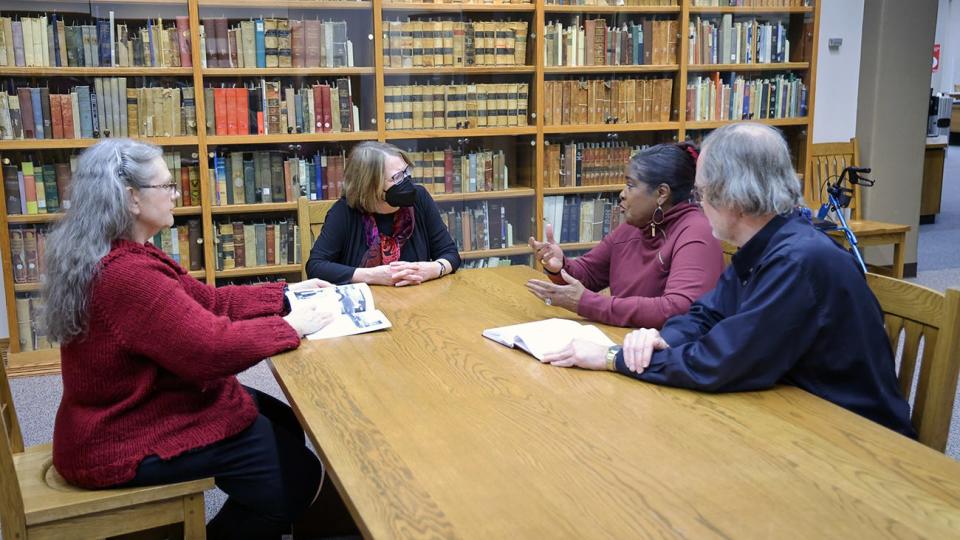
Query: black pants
point(268, 473)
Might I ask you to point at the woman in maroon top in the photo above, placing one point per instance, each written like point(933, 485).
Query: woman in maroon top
point(149, 355)
point(656, 263)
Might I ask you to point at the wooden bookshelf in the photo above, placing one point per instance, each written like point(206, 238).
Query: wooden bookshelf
point(526, 143)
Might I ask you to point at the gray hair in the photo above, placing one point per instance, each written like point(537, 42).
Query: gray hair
point(746, 166)
point(99, 214)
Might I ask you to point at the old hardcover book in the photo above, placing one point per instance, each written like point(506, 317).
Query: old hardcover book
point(284, 50)
point(271, 43)
point(313, 39)
point(11, 187)
point(298, 43)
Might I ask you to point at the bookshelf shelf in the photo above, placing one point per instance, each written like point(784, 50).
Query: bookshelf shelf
point(187, 211)
point(749, 67)
point(55, 144)
point(286, 72)
point(748, 10)
point(713, 124)
point(611, 9)
point(33, 218)
point(607, 128)
point(512, 193)
point(607, 188)
point(259, 271)
point(471, 70)
point(27, 287)
point(292, 138)
point(299, 4)
point(253, 208)
point(26, 363)
point(578, 70)
point(457, 8)
point(136, 2)
point(8, 71)
point(502, 252)
point(578, 246)
point(471, 132)
point(198, 274)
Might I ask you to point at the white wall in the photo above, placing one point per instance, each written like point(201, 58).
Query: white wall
point(838, 71)
point(948, 36)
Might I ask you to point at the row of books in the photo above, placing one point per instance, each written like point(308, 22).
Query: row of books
point(183, 243)
point(646, 41)
point(781, 96)
point(455, 106)
point(479, 225)
point(450, 171)
point(495, 262)
point(586, 163)
point(581, 218)
point(751, 3)
point(265, 108)
point(454, 43)
point(275, 43)
point(651, 3)
point(467, 2)
point(614, 101)
point(111, 109)
point(27, 250)
point(36, 188)
point(243, 244)
point(48, 42)
point(270, 177)
point(741, 42)
point(32, 337)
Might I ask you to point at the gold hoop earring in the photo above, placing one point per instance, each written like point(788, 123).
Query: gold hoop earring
point(654, 222)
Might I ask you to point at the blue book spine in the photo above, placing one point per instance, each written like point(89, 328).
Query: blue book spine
point(59, 62)
point(103, 41)
point(94, 116)
point(37, 113)
point(86, 122)
point(298, 102)
point(259, 40)
point(153, 57)
point(221, 167)
point(318, 172)
point(635, 36)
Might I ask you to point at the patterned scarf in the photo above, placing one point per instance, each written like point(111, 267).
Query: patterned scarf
point(382, 248)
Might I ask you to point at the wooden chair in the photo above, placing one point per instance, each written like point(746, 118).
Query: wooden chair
point(35, 501)
point(310, 216)
point(922, 313)
point(825, 162)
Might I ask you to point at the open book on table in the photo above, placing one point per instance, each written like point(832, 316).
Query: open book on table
point(542, 337)
point(353, 303)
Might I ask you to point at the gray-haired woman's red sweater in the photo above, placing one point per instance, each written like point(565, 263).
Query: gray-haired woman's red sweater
point(154, 372)
point(651, 278)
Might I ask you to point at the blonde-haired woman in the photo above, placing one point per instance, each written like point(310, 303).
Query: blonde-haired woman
point(385, 230)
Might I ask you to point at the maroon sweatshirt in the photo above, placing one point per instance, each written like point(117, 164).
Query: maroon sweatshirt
point(650, 279)
point(154, 373)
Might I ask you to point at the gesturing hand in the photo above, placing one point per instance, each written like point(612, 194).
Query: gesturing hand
point(580, 353)
point(548, 253)
point(564, 296)
point(638, 348)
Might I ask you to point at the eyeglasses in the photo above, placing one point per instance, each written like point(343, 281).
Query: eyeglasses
point(171, 187)
point(400, 176)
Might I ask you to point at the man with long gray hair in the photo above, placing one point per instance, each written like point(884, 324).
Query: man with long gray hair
point(792, 308)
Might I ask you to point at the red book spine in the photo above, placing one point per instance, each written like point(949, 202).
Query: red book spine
point(220, 110)
point(327, 112)
point(185, 186)
point(243, 118)
point(56, 119)
point(231, 112)
point(183, 40)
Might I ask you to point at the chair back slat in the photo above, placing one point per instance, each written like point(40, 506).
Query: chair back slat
point(931, 320)
point(311, 215)
point(825, 163)
point(12, 520)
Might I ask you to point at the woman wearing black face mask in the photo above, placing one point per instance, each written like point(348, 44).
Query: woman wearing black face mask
point(385, 230)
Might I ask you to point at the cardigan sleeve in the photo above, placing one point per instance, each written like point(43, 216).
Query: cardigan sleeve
point(696, 265)
point(237, 302)
point(330, 249)
point(152, 315)
point(441, 243)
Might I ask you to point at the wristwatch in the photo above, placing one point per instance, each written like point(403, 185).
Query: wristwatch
point(612, 357)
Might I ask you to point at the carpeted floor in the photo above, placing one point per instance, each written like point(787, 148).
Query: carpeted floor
point(36, 398)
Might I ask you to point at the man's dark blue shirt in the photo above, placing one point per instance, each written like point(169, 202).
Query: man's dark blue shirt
point(792, 308)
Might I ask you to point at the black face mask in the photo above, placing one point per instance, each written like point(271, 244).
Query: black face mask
point(403, 193)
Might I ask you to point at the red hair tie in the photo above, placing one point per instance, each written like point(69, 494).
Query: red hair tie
point(693, 152)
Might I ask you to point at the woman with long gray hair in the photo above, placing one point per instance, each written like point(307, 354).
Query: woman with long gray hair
point(149, 355)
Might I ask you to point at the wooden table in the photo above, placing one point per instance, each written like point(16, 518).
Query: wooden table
point(430, 430)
